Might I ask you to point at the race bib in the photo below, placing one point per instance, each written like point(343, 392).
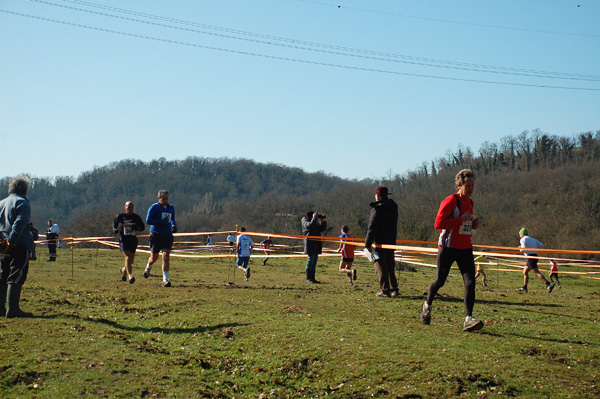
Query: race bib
point(466, 228)
point(128, 231)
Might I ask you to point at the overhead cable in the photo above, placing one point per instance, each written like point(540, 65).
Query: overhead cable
point(247, 53)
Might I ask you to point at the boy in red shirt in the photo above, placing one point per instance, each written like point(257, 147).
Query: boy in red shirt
point(347, 250)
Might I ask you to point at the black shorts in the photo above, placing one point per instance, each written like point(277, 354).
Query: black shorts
point(532, 262)
point(349, 260)
point(128, 244)
point(160, 242)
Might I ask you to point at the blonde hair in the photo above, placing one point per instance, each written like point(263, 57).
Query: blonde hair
point(462, 176)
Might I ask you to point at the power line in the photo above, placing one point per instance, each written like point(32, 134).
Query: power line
point(447, 21)
point(341, 51)
point(349, 67)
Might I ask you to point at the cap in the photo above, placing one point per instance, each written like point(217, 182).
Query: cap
point(382, 191)
point(523, 231)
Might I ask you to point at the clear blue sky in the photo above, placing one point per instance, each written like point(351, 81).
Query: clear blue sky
point(359, 91)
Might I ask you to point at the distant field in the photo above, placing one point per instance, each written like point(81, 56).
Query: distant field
point(276, 336)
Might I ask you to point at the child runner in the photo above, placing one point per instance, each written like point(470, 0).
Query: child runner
point(347, 250)
point(266, 244)
point(554, 273)
point(478, 262)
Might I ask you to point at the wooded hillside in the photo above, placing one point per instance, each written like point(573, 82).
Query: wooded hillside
point(549, 184)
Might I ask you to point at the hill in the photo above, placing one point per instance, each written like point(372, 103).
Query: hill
point(549, 184)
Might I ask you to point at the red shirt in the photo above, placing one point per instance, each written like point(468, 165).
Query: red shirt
point(347, 249)
point(454, 233)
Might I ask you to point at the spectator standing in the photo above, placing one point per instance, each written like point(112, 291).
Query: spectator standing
point(382, 230)
point(36, 236)
point(15, 246)
point(52, 235)
point(313, 224)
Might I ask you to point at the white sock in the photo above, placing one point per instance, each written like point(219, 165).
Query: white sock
point(148, 266)
point(165, 276)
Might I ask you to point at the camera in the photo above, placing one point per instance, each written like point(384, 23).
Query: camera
point(322, 216)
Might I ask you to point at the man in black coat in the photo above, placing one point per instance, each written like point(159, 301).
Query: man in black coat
point(382, 230)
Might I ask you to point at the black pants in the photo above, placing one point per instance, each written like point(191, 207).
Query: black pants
point(385, 269)
point(466, 264)
point(14, 265)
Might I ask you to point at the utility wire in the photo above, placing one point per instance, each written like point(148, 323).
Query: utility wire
point(342, 51)
point(447, 21)
point(293, 59)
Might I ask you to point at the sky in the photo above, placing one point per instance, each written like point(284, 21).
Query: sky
point(356, 89)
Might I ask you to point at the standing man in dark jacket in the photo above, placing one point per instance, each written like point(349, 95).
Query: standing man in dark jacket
point(312, 225)
point(15, 245)
point(383, 229)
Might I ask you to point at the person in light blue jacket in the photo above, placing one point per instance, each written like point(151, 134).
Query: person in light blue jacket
point(161, 219)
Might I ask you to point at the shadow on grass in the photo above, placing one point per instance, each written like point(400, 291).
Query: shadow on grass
point(163, 330)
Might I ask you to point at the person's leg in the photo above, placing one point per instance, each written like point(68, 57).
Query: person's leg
point(4, 268)
point(18, 270)
point(151, 260)
point(467, 269)
point(445, 258)
point(311, 266)
point(540, 276)
point(52, 250)
point(391, 270)
point(525, 276)
point(484, 278)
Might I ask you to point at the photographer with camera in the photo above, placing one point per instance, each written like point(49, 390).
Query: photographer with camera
point(313, 224)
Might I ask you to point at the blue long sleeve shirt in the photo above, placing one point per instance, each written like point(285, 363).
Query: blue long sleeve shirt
point(161, 219)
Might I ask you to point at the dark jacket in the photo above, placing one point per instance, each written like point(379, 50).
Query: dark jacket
point(312, 227)
point(383, 223)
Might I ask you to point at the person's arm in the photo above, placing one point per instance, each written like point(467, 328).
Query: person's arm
point(443, 220)
point(21, 222)
point(153, 217)
point(371, 229)
point(116, 225)
point(173, 222)
point(341, 243)
point(139, 223)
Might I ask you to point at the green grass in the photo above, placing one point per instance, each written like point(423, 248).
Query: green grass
point(276, 336)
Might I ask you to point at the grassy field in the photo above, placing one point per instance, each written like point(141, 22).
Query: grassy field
point(276, 336)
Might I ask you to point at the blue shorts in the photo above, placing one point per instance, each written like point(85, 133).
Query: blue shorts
point(159, 242)
point(243, 261)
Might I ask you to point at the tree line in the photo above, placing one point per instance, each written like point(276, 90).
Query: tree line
point(547, 183)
